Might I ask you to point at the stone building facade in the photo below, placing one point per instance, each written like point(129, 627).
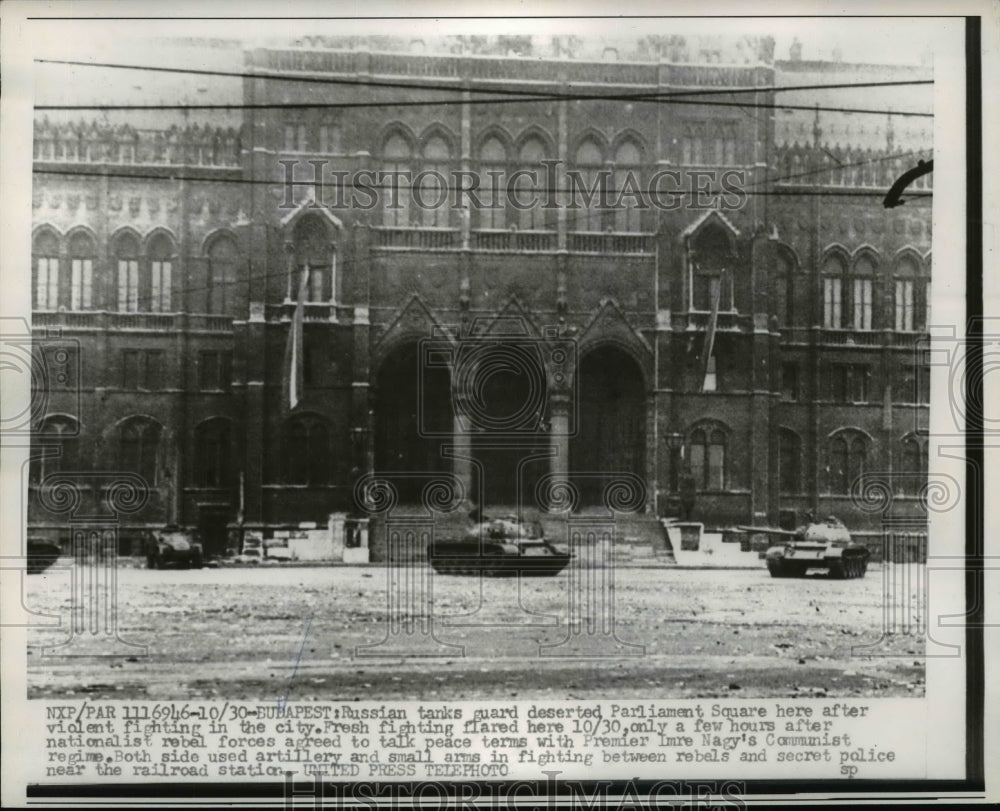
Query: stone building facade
point(756, 335)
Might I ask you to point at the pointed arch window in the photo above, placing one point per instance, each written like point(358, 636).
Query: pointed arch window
point(834, 271)
point(707, 453)
point(127, 259)
point(784, 289)
point(314, 260)
point(432, 191)
point(627, 187)
point(214, 454)
point(60, 436)
point(82, 251)
point(862, 283)
point(47, 271)
point(692, 145)
point(307, 451)
point(295, 136)
point(594, 182)
point(729, 154)
point(223, 265)
point(493, 170)
point(139, 448)
point(912, 465)
point(396, 163)
point(329, 137)
point(161, 250)
point(789, 461)
point(529, 189)
point(710, 271)
point(911, 302)
point(848, 459)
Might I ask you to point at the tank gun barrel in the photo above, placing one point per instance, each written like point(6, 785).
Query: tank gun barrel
point(786, 533)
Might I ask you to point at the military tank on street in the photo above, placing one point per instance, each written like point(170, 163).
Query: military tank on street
point(500, 547)
point(173, 546)
point(816, 545)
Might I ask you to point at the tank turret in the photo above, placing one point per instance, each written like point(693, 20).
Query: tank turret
point(816, 545)
point(499, 547)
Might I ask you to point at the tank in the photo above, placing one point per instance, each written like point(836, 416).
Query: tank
point(816, 545)
point(172, 546)
point(501, 547)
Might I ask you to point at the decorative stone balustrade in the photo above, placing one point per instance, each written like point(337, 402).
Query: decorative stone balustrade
point(92, 142)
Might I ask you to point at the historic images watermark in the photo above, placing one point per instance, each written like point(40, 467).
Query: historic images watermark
point(548, 187)
point(316, 791)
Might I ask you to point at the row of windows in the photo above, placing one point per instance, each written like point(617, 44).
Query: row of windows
point(847, 457)
point(138, 370)
point(847, 304)
point(308, 459)
point(144, 370)
point(852, 383)
point(701, 143)
point(144, 279)
point(849, 292)
point(414, 206)
point(138, 447)
point(142, 275)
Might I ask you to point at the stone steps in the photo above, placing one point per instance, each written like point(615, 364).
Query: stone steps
point(636, 537)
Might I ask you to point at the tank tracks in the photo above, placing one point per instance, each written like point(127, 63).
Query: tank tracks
point(849, 568)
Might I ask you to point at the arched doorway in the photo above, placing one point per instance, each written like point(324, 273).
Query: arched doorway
point(612, 421)
point(503, 389)
point(413, 419)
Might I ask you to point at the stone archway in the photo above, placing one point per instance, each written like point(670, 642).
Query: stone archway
point(413, 418)
point(611, 415)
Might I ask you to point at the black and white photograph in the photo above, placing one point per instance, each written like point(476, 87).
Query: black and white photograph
point(417, 401)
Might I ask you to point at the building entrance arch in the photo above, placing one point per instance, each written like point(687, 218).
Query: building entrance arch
point(612, 422)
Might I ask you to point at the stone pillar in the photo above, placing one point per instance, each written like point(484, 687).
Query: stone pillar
point(559, 430)
point(462, 457)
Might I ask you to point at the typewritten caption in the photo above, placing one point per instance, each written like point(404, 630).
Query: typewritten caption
point(467, 741)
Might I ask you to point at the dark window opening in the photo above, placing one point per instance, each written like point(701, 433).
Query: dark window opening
point(789, 462)
point(790, 381)
point(307, 451)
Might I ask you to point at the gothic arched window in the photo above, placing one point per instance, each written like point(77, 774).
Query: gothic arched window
point(707, 454)
point(492, 184)
point(46, 271)
point(594, 187)
point(126, 253)
point(307, 451)
point(397, 158)
point(139, 448)
point(213, 453)
point(314, 259)
point(161, 250)
point(789, 461)
point(626, 194)
point(81, 258)
point(848, 459)
point(529, 189)
point(223, 270)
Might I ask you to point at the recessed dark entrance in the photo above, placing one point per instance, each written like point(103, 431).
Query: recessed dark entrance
point(413, 419)
point(612, 422)
point(213, 528)
point(508, 416)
